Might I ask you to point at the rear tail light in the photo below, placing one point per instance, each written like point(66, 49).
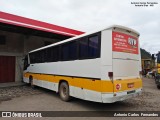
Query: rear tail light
point(110, 74)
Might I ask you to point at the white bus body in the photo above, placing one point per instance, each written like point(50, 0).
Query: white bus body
point(113, 75)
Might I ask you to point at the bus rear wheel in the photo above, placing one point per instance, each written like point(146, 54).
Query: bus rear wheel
point(64, 91)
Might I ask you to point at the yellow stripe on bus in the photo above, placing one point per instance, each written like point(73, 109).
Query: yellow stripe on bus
point(90, 84)
point(137, 83)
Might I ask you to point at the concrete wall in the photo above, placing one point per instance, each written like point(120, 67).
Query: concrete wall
point(18, 45)
point(14, 44)
point(33, 42)
point(19, 68)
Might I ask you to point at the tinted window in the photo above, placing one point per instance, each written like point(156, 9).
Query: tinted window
point(46, 55)
point(73, 50)
point(65, 52)
point(32, 58)
point(43, 56)
point(69, 51)
point(52, 54)
point(93, 47)
point(37, 57)
point(83, 48)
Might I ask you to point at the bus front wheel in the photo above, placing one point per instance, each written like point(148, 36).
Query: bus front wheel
point(31, 82)
point(64, 91)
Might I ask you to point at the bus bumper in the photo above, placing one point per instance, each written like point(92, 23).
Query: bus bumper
point(120, 96)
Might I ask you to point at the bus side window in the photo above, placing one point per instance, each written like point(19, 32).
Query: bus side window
point(93, 47)
point(69, 51)
point(26, 63)
point(83, 48)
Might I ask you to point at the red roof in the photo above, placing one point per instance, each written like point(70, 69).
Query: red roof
point(37, 25)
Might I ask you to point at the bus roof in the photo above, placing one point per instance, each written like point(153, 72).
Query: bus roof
point(85, 34)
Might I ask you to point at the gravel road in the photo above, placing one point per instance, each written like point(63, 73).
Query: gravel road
point(13, 92)
point(24, 98)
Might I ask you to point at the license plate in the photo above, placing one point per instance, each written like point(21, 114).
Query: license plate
point(130, 85)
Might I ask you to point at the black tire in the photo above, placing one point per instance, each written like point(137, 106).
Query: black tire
point(158, 86)
point(64, 91)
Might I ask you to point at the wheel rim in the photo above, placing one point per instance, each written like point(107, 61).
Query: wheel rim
point(64, 91)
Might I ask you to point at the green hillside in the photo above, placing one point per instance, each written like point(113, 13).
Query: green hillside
point(145, 54)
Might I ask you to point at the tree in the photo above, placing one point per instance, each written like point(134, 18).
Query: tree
point(145, 54)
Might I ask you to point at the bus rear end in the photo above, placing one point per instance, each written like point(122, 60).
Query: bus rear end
point(125, 73)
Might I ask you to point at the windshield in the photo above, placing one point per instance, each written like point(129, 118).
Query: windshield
point(158, 58)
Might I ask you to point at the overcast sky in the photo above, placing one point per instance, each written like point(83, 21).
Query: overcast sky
point(87, 15)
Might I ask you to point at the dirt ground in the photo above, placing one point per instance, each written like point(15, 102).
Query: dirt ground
point(24, 98)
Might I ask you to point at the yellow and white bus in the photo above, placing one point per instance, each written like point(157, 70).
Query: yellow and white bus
point(102, 66)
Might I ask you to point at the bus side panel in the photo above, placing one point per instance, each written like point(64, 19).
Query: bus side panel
point(48, 75)
point(106, 54)
point(83, 88)
point(89, 68)
point(106, 66)
point(106, 47)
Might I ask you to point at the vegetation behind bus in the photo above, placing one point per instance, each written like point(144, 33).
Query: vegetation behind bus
point(149, 63)
point(157, 78)
point(147, 60)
